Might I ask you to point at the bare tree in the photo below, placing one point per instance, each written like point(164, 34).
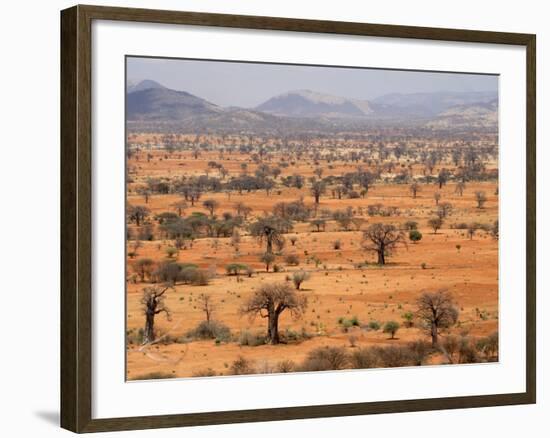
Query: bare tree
point(414, 189)
point(207, 305)
point(459, 188)
point(382, 239)
point(269, 301)
point(444, 209)
point(437, 312)
point(242, 210)
point(153, 304)
point(481, 198)
point(435, 223)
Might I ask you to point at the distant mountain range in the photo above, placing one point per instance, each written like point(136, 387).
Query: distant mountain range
point(150, 103)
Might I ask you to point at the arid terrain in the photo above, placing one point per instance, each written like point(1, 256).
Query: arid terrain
point(215, 221)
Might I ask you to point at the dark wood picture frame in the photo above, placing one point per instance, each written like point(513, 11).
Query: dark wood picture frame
point(76, 217)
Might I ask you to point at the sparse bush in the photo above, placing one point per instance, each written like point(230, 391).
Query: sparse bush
point(211, 330)
point(292, 260)
point(241, 366)
point(488, 346)
point(207, 372)
point(250, 339)
point(419, 350)
point(365, 358)
point(394, 356)
point(285, 366)
point(326, 358)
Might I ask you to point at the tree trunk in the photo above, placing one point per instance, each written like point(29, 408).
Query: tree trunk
point(273, 328)
point(434, 334)
point(381, 257)
point(149, 332)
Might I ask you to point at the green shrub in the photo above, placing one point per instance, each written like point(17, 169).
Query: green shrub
point(391, 328)
point(236, 268)
point(415, 236)
point(373, 325)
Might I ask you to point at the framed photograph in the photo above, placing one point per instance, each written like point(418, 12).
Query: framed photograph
point(269, 218)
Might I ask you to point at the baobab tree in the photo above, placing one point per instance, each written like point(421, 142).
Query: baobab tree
point(414, 189)
point(153, 304)
point(269, 301)
point(437, 312)
point(382, 239)
point(269, 230)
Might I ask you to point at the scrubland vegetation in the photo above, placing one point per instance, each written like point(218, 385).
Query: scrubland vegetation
point(275, 254)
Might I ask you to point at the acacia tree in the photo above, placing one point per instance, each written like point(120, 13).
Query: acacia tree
point(269, 301)
point(382, 239)
point(180, 207)
point(269, 230)
point(210, 205)
point(153, 304)
point(437, 312)
point(137, 213)
point(317, 189)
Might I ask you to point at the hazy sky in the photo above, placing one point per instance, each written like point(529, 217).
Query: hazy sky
point(248, 85)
